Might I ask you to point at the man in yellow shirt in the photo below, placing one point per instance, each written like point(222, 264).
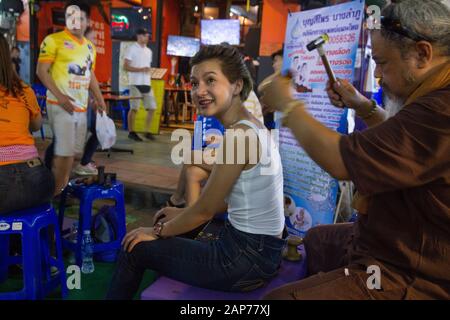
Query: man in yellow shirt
point(66, 67)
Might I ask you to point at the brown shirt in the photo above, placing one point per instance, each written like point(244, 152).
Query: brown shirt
point(403, 165)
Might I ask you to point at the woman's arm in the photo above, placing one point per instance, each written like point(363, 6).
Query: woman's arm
point(179, 221)
point(218, 187)
point(35, 123)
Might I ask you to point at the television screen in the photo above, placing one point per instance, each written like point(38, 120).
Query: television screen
point(182, 46)
point(216, 31)
point(126, 21)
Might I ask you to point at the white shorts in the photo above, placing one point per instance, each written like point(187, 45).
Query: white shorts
point(69, 130)
point(148, 98)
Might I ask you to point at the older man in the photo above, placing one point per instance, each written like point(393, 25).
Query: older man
point(400, 166)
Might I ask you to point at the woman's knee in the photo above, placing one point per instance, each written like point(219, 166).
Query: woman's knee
point(195, 174)
point(134, 257)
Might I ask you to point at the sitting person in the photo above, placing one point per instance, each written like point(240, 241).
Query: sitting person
point(24, 181)
point(249, 250)
point(399, 246)
point(193, 176)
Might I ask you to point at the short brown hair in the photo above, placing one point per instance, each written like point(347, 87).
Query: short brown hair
point(231, 63)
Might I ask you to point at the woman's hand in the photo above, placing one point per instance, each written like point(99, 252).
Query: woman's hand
point(278, 93)
point(137, 235)
point(166, 214)
point(344, 94)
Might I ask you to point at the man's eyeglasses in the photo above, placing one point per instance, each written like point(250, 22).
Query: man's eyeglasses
point(394, 25)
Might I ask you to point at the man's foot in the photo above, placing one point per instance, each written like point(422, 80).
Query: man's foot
point(88, 170)
point(134, 136)
point(149, 136)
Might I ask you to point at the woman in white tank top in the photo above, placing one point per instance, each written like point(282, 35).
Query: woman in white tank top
point(249, 185)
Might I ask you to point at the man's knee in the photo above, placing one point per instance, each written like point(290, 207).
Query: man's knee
point(281, 293)
point(313, 235)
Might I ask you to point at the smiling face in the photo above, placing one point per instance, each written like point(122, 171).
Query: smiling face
point(212, 93)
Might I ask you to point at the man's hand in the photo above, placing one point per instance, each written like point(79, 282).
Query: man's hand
point(166, 214)
point(66, 103)
point(137, 235)
point(344, 94)
point(101, 107)
point(278, 93)
point(145, 69)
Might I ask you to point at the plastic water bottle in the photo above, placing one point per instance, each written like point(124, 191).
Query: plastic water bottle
point(87, 253)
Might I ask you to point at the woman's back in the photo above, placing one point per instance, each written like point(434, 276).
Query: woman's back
point(15, 116)
point(255, 204)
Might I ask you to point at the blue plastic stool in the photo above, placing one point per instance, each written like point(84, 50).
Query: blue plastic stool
point(87, 194)
point(33, 225)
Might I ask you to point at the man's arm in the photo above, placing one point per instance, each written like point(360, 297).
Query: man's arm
point(46, 79)
point(319, 142)
point(95, 89)
point(129, 68)
point(343, 94)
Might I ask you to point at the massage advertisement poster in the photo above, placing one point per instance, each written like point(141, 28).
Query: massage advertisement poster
point(310, 193)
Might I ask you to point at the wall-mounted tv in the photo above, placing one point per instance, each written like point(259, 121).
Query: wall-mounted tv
point(126, 21)
point(216, 31)
point(182, 46)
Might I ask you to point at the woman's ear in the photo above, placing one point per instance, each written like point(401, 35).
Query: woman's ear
point(239, 84)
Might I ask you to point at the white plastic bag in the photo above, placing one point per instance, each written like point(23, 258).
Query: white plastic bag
point(106, 131)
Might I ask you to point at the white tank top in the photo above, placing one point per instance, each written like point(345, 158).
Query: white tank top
point(255, 204)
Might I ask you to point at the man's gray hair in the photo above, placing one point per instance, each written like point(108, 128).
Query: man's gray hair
point(429, 19)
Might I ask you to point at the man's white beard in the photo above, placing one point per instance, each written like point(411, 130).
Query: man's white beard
point(392, 105)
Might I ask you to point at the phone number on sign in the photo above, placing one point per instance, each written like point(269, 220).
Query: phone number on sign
point(340, 38)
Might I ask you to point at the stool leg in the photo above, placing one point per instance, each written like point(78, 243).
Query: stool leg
point(32, 265)
point(121, 218)
point(4, 256)
point(60, 262)
point(84, 224)
point(62, 207)
point(45, 241)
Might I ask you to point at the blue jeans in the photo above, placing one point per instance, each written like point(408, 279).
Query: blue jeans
point(237, 261)
point(22, 186)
